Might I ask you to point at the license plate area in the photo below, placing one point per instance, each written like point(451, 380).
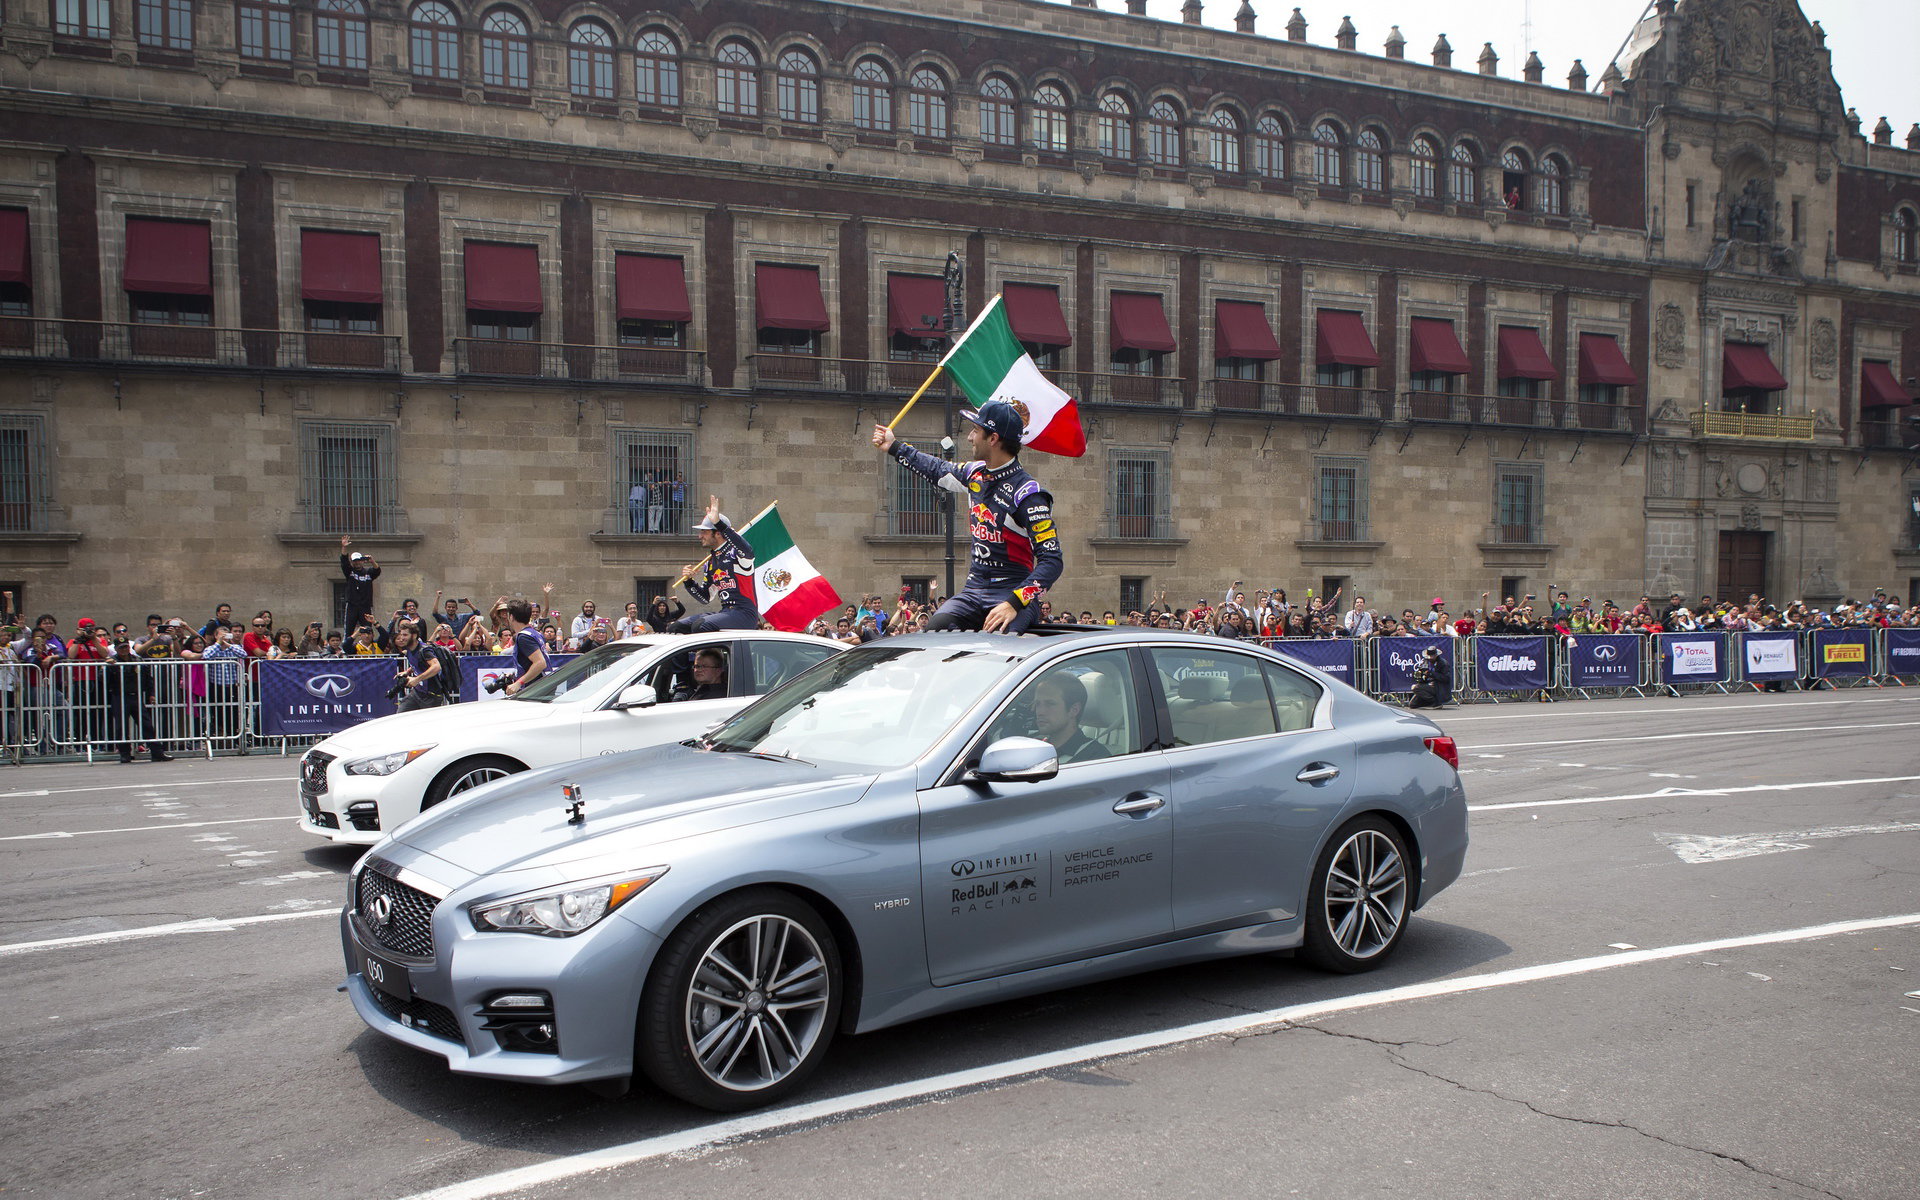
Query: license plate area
point(385, 974)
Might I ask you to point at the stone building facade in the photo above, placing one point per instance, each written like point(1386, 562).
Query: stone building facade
point(453, 277)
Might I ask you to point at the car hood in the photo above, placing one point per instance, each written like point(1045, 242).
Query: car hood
point(406, 731)
point(640, 798)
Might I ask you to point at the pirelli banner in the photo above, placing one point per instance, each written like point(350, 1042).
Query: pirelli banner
point(1842, 652)
point(1511, 664)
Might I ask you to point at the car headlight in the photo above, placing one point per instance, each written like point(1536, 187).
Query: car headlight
point(384, 764)
point(563, 911)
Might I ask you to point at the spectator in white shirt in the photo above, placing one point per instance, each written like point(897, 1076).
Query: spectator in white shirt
point(584, 622)
point(1359, 621)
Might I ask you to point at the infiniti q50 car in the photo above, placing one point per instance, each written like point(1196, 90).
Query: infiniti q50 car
point(912, 826)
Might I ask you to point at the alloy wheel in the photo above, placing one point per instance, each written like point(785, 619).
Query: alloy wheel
point(757, 1002)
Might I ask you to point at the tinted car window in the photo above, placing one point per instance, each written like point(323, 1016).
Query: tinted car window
point(776, 662)
point(1294, 698)
point(1084, 706)
point(1213, 697)
point(675, 672)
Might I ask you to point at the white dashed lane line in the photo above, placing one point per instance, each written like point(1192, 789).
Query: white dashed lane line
point(1669, 792)
point(30, 837)
point(134, 787)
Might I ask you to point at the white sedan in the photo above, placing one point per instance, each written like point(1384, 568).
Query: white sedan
point(368, 780)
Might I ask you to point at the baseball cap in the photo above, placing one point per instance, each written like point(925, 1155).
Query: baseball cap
point(85, 623)
point(713, 524)
point(356, 556)
point(997, 416)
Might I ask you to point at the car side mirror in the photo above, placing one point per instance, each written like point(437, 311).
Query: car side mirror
point(637, 695)
point(1016, 760)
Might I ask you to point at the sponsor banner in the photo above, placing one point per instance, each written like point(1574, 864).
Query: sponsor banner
point(476, 670)
point(1398, 656)
point(304, 697)
point(1333, 655)
point(1769, 656)
point(1597, 660)
point(1693, 658)
point(1510, 664)
point(1842, 652)
point(1903, 652)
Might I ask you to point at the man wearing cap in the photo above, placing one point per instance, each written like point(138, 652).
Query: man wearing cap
point(723, 577)
point(361, 571)
point(1016, 549)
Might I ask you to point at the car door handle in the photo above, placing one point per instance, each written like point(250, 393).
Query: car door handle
point(1139, 803)
point(1318, 773)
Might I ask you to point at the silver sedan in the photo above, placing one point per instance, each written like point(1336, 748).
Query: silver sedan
point(914, 826)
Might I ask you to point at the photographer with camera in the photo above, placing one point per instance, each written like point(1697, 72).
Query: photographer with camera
point(529, 649)
point(423, 680)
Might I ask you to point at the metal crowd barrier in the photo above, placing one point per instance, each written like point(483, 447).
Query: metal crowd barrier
point(94, 708)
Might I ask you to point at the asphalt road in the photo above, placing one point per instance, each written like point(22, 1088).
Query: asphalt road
point(1567, 1020)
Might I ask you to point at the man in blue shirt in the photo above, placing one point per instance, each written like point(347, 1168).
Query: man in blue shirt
point(529, 648)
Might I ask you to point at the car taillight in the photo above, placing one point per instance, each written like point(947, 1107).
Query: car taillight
point(1444, 747)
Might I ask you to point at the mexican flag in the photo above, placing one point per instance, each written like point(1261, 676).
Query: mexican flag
point(989, 363)
point(789, 592)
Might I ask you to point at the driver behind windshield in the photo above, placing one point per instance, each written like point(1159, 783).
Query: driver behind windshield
point(709, 680)
point(1058, 701)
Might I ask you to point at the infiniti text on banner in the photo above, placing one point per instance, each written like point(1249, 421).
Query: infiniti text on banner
point(303, 697)
point(1601, 660)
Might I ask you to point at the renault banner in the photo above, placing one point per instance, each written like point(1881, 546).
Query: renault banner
point(1766, 657)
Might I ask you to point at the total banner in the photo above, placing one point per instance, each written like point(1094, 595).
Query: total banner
point(1400, 655)
point(1510, 664)
point(1903, 652)
point(1694, 658)
point(1332, 655)
point(1597, 660)
point(1766, 657)
point(478, 670)
point(304, 697)
point(1842, 652)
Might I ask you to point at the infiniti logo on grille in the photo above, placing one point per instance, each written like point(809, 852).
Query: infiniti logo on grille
point(328, 685)
point(380, 913)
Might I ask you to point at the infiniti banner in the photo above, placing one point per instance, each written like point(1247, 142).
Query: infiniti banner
point(1400, 655)
point(1597, 660)
point(1510, 664)
point(1332, 655)
point(1766, 657)
point(302, 697)
point(1903, 652)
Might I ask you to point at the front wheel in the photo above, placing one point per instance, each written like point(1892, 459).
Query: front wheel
point(742, 1002)
point(1360, 899)
point(466, 775)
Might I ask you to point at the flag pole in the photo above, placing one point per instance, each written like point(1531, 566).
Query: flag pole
point(742, 531)
point(937, 367)
point(915, 399)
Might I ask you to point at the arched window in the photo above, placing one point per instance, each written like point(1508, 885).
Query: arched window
point(1223, 141)
point(797, 88)
point(872, 95)
point(927, 104)
point(1163, 134)
point(737, 79)
point(1553, 185)
point(1326, 154)
point(1113, 128)
point(1270, 147)
point(1462, 173)
point(1426, 168)
point(266, 30)
point(505, 50)
point(656, 69)
point(434, 41)
point(1370, 161)
point(590, 61)
point(1905, 228)
point(340, 35)
point(997, 112)
point(1048, 118)
point(1514, 187)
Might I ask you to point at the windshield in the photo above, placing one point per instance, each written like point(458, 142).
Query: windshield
point(569, 684)
point(866, 709)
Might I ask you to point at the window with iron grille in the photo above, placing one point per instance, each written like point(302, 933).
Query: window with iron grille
point(165, 24)
point(1139, 501)
point(266, 30)
point(916, 505)
point(647, 588)
point(1133, 595)
point(653, 481)
point(347, 478)
point(1517, 503)
point(23, 474)
point(1340, 499)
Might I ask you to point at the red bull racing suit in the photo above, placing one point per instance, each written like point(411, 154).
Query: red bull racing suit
point(1016, 548)
point(726, 579)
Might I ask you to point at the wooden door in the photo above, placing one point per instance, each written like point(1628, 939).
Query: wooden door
point(1743, 565)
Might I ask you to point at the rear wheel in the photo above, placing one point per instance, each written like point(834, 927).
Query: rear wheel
point(742, 1002)
point(467, 774)
point(1361, 897)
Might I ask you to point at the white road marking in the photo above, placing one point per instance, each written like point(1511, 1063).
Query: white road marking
point(128, 787)
point(29, 837)
point(1664, 793)
point(777, 1120)
point(1587, 714)
point(1488, 871)
point(1706, 848)
point(202, 925)
point(283, 880)
point(1711, 733)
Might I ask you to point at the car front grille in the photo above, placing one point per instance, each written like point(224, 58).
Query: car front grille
point(404, 923)
point(313, 773)
point(416, 1013)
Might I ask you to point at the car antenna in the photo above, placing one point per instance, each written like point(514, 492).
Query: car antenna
point(576, 806)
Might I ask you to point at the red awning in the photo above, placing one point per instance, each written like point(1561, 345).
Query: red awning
point(171, 257)
point(1602, 362)
point(1878, 387)
point(1240, 330)
point(1747, 368)
point(342, 267)
point(917, 305)
point(1432, 346)
point(503, 278)
point(1341, 339)
point(1522, 356)
point(13, 246)
point(1034, 312)
point(1140, 323)
point(651, 287)
point(789, 298)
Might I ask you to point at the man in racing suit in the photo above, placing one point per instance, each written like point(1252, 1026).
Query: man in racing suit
point(1016, 549)
point(725, 576)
